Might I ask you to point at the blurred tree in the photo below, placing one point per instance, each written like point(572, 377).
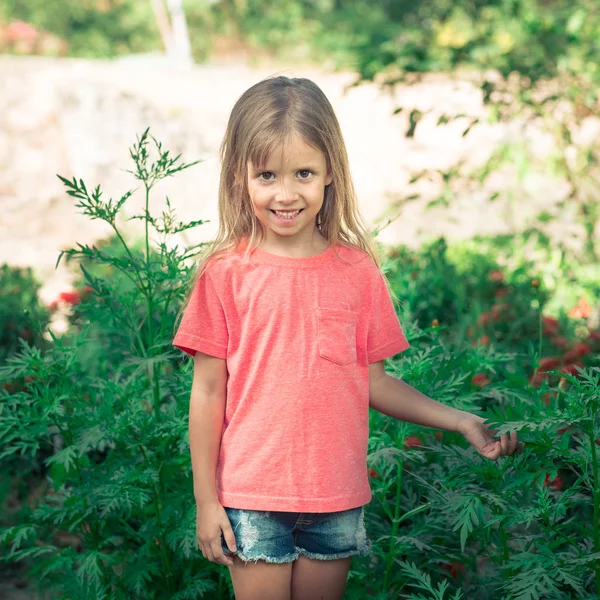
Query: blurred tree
point(93, 28)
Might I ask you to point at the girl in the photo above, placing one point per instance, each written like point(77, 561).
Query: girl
point(289, 320)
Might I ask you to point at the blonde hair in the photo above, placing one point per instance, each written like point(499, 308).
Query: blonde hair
point(265, 116)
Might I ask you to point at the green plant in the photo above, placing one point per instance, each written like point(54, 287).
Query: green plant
point(511, 529)
point(23, 316)
point(107, 404)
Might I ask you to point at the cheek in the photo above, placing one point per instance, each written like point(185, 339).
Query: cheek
point(255, 196)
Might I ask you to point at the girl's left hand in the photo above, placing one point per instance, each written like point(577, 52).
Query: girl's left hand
point(480, 437)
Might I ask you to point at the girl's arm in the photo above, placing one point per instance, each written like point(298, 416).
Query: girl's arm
point(207, 412)
point(395, 398)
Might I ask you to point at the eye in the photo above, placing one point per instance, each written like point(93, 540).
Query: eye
point(260, 176)
point(305, 173)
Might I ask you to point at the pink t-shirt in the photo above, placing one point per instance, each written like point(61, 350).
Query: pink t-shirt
point(298, 335)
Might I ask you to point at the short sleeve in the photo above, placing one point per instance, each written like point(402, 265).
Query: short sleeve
point(385, 337)
point(203, 327)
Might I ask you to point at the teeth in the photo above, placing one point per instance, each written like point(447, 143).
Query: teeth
point(286, 215)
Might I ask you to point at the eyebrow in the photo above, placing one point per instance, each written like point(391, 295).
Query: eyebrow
point(302, 168)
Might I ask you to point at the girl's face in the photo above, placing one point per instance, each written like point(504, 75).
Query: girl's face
point(293, 180)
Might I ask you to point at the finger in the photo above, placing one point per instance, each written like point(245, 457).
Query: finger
point(514, 441)
point(504, 443)
point(204, 550)
point(229, 538)
point(218, 555)
point(209, 553)
point(497, 452)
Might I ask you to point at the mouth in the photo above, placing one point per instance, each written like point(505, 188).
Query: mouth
point(286, 215)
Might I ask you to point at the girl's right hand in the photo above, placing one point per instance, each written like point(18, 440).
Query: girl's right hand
point(211, 519)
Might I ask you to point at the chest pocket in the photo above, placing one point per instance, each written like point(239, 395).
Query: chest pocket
point(337, 334)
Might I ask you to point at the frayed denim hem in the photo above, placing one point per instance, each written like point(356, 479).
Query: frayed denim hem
point(281, 559)
point(362, 549)
point(317, 556)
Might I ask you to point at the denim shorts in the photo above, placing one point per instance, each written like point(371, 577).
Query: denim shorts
point(279, 537)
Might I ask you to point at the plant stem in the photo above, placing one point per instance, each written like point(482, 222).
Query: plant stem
point(152, 376)
point(118, 234)
point(504, 543)
point(395, 524)
point(153, 379)
point(596, 495)
point(163, 542)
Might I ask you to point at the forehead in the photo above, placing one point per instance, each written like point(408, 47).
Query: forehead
point(291, 152)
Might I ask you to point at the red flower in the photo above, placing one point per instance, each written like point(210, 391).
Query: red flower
point(454, 568)
point(571, 369)
point(480, 380)
point(559, 341)
point(581, 311)
point(538, 378)
point(71, 297)
point(548, 363)
point(9, 386)
point(549, 325)
point(413, 441)
point(87, 290)
point(484, 318)
point(556, 483)
point(496, 275)
point(484, 340)
point(19, 30)
point(580, 349)
point(498, 310)
point(373, 474)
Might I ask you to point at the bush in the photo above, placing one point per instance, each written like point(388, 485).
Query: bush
point(107, 404)
point(22, 314)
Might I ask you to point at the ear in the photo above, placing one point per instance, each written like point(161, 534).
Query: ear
point(328, 179)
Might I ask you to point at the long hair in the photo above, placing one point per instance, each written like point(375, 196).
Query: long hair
point(265, 116)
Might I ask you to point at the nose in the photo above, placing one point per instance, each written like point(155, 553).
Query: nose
point(285, 192)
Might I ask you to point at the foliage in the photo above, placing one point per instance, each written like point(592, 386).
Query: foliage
point(22, 314)
point(103, 28)
point(512, 529)
point(537, 38)
point(106, 409)
point(534, 37)
point(493, 290)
